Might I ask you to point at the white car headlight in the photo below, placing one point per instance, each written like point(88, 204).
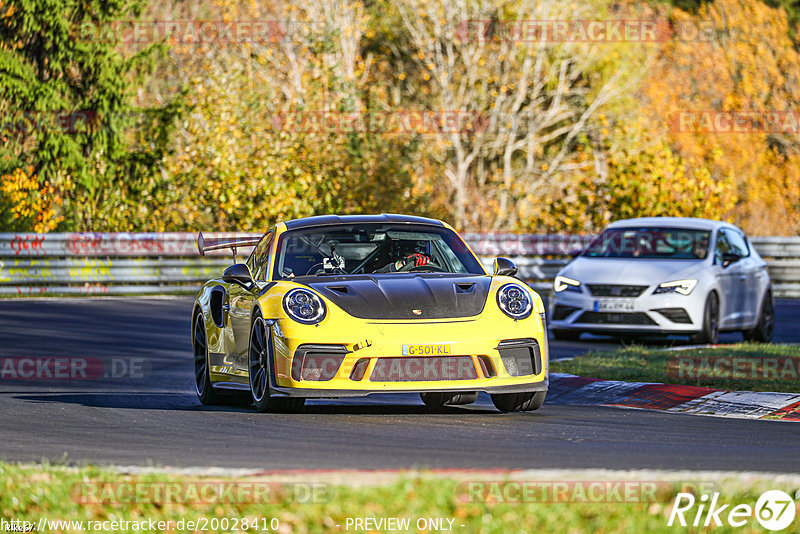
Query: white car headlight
point(684, 287)
point(514, 301)
point(562, 283)
point(304, 306)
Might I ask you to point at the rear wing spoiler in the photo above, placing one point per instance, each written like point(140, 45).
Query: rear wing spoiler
point(230, 241)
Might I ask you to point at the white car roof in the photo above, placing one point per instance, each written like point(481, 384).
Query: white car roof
point(671, 222)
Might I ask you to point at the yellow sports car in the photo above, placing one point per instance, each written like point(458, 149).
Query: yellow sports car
point(329, 306)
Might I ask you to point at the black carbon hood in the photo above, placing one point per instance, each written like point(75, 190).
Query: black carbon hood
point(397, 295)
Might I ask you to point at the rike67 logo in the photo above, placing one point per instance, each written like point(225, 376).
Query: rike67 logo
point(774, 510)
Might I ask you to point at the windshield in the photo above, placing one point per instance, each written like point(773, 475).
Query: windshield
point(371, 249)
point(650, 243)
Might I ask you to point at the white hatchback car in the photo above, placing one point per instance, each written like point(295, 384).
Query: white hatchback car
point(665, 275)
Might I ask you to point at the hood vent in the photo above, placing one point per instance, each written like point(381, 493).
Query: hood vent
point(339, 289)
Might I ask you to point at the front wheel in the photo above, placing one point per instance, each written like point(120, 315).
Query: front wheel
point(519, 402)
point(710, 332)
point(258, 366)
point(765, 329)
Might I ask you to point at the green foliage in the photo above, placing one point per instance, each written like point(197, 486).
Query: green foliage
point(95, 150)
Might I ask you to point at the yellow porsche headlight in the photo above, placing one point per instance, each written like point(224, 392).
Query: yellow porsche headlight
point(514, 301)
point(304, 306)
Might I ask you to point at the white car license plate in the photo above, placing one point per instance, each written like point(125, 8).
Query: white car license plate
point(614, 305)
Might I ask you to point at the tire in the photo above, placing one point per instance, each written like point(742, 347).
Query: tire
point(710, 333)
point(258, 360)
point(202, 378)
point(439, 399)
point(519, 402)
point(566, 335)
point(765, 329)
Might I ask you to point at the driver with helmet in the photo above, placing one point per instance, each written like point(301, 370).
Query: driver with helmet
point(407, 253)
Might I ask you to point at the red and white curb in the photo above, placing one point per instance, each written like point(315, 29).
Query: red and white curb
point(570, 389)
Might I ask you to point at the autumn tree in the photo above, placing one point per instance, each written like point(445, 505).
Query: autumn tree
point(250, 151)
point(234, 134)
point(644, 177)
point(538, 97)
point(74, 142)
point(733, 56)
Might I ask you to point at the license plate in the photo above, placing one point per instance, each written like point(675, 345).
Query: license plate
point(615, 305)
point(426, 350)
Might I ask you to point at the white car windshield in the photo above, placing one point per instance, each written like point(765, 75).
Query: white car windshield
point(650, 243)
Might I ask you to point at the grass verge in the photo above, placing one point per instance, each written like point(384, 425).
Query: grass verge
point(745, 366)
point(31, 493)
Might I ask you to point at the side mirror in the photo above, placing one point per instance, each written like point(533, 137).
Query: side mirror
point(729, 258)
point(504, 267)
point(238, 273)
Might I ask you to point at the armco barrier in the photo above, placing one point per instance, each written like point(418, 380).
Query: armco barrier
point(107, 263)
point(126, 263)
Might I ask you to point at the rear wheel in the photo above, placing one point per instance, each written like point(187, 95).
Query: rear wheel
point(765, 328)
point(519, 402)
point(439, 399)
point(202, 379)
point(258, 366)
point(710, 332)
point(566, 335)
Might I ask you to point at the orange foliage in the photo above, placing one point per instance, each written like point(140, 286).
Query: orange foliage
point(27, 199)
point(741, 59)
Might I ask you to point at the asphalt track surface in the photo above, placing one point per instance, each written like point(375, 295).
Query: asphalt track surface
point(154, 418)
